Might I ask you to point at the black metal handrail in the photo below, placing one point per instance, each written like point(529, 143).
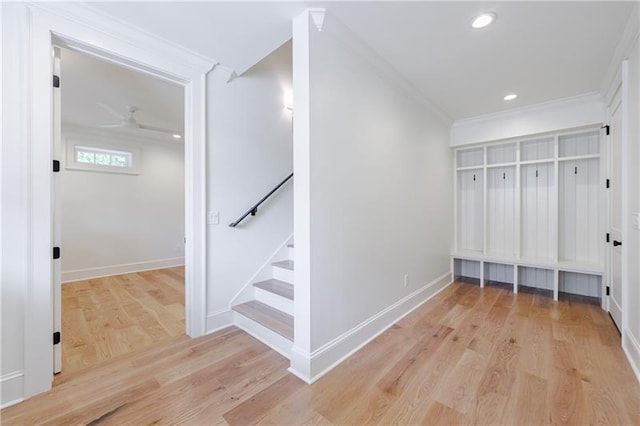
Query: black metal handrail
point(253, 210)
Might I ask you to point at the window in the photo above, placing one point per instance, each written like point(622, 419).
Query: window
point(102, 157)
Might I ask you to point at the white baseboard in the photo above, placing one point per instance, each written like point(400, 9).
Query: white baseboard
point(631, 348)
point(11, 389)
point(127, 268)
point(219, 320)
point(327, 357)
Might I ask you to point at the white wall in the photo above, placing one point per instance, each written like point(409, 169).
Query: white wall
point(380, 193)
point(579, 111)
point(116, 223)
point(249, 152)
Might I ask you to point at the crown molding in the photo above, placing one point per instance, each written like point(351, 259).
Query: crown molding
point(87, 15)
point(317, 15)
point(630, 35)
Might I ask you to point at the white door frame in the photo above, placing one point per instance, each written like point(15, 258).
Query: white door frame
point(81, 28)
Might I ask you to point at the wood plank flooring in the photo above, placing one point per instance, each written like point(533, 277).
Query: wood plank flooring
point(468, 356)
point(106, 317)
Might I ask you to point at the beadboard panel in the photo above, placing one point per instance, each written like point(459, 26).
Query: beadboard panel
point(501, 210)
point(538, 211)
point(470, 209)
point(578, 210)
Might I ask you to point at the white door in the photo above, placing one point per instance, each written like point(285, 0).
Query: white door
point(57, 225)
point(615, 209)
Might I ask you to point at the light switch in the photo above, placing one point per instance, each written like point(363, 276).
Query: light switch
point(635, 220)
point(213, 218)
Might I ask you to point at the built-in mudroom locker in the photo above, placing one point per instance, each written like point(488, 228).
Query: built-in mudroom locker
point(529, 212)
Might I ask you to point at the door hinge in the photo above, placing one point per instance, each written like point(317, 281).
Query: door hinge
point(606, 129)
point(56, 81)
point(608, 290)
point(608, 183)
point(56, 337)
point(608, 237)
point(56, 252)
point(56, 165)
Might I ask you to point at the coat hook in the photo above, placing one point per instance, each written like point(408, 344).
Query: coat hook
point(536, 173)
point(504, 175)
point(575, 170)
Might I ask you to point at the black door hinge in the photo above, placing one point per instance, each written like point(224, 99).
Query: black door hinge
point(608, 183)
point(56, 81)
point(56, 337)
point(608, 237)
point(56, 165)
point(606, 129)
point(608, 290)
point(56, 252)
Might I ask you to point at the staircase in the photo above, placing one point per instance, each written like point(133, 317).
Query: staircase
point(269, 316)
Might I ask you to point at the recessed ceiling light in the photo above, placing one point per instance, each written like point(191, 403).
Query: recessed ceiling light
point(510, 97)
point(176, 136)
point(483, 20)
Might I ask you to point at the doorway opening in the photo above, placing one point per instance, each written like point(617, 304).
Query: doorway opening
point(119, 211)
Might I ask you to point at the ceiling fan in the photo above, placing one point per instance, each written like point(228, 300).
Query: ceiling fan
point(130, 121)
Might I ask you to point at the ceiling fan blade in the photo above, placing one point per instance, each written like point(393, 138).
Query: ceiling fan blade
point(110, 126)
point(160, 129)
point(112, 111)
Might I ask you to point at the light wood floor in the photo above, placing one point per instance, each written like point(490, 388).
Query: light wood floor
point(106, 317)
point(467, 356)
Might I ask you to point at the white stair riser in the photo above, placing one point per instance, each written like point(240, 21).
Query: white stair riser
point(275, 301)
point(282, 274)
point(291, 253)
point(270, 338)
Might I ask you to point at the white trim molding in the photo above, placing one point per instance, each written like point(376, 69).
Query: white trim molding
point(631, 348)
point(567, 113)
point(72, 25)
point(127, 268)
point(11, 389)
point(311, 367)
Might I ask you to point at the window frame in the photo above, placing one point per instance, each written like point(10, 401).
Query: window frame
point(133, 151)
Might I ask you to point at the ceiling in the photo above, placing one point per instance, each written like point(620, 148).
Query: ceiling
point(87, 81)
point(539, 50)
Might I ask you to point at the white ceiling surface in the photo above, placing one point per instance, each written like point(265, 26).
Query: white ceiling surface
point(539, 50)
point(86, 81)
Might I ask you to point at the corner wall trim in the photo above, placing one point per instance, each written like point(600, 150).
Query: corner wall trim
point(127, 268)
point(328, 356)
point(12, 389)
point(631, 349)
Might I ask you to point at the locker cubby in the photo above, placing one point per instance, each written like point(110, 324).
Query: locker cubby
point(532, 207)
point(463, 268)
point(535, 278)
point(578, 211)
point(498, 272)
point(537, 149)
point(537, 211)
point(579, 283)
point(500, 154)
point(501, 210)
point(470, 211)
point(470, 157)
point(580, 144)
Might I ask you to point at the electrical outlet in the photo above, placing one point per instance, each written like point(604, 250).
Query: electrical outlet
point(636, 220)
point(406, 280)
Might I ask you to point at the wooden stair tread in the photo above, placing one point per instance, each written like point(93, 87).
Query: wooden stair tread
point(286, 264)
point(267, 316)
point(278, 287)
